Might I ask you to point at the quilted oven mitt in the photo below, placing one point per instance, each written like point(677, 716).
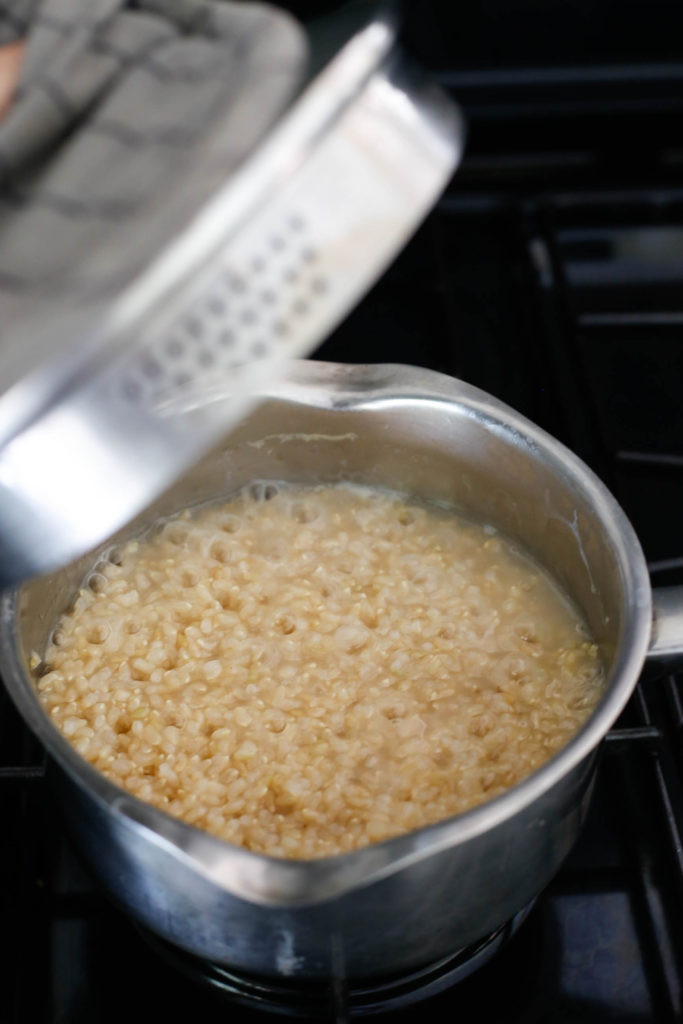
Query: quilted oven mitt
point(126, 116)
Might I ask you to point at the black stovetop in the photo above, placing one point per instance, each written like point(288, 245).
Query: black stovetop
point(551, 274)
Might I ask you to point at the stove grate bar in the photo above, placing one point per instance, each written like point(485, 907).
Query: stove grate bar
point(22, 773)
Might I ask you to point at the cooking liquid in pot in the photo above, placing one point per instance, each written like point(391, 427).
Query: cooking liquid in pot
point(322, 670)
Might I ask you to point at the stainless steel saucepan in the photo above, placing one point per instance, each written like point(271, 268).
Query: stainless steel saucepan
point(406, 902)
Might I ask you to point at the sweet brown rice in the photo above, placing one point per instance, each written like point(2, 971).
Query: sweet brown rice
point(319, 671)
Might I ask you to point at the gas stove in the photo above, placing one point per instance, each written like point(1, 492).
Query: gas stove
point(550, 274)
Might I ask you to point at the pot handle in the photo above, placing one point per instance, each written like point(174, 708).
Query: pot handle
point(666, 643)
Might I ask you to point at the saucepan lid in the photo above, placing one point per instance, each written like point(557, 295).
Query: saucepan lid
point(106, 406)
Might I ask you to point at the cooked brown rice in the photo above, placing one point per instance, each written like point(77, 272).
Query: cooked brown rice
point(322, 670)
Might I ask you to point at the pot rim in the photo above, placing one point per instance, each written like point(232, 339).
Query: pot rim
point(267, 880)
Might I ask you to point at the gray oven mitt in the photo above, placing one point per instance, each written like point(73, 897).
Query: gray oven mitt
point(128, 115)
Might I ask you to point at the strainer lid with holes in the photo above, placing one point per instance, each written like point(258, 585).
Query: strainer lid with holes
point(98, 423)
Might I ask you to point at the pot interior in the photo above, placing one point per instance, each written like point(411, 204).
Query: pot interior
point(451, 452)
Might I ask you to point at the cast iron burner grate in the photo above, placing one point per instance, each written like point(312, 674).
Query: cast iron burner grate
point(335, 1000)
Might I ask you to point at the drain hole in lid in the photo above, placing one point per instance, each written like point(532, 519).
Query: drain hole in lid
point(268, 297)
point(319, 285)
point(248, 316)
point(175, 348)
point(238, 285)
point(151, 368)
point(226, 338)
point(277, 243)
point(300, 307)
point(280, 328)
point(258, 264)
point(132, 391)
point(308, 254)
point(194, 327)
point(258, 350)
point(216, 305)
point(296, 223)
point(206, 358)
point(291, 275)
